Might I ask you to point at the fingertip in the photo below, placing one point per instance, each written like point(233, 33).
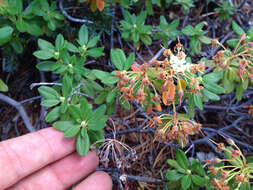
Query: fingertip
point(97, 181)
point(105, 179)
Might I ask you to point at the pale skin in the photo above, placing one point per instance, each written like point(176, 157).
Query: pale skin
point(46, 160)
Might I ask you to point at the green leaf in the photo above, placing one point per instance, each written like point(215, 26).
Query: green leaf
point(86, 109)
point(198, 180)
point(237, 29)
point(197, 167)
point(228, 83)
point(82, 142)
point(45, 45)
point(46, 65)
point(83, 35)
point(111, 96)
point(5, 34)
point(72, 48)
point(44, 54)
point(181, 159)
point(72, 131)
point(118, 58)
point(33, 29)
point(232, 42)
point(49, 103)
point(64, 106)
point(239, 91)
point(66, 86)
point(185, 182)
point(129, 61)
point(198, 101)
point(245, 186)
point(75, 113)
point(48, 92)
point(173, 175)
point(20, 24)
point(97, 124)
point(100, 98)
point(93, 42)
point(205, 39)
point(63, 125)
point(53, 114)
point(96, 52)
point(210, 95)
point(215, 88)
point(124, 103)
point(188, 30)
point(141, 18)
point(212, 77)
point(195, 45)
point(3, 86)
point(173, 163)
point(99, 112)
point(59, 42)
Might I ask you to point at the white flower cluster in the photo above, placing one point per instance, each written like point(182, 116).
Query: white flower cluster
point(178, 63)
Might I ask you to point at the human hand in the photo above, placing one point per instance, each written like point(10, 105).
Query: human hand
point(45, 160)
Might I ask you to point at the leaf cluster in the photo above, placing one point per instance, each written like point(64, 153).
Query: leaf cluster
point(185, 175)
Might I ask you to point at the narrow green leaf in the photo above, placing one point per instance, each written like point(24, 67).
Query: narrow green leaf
point(72, 131)
point(5, 34)
point(111, 96)
point(82, 143)
point(92, 43)
point(49, 103)
point(66, 86)
point(198, 180)
point(45, 45)
point(129, 61)
point(44, 54)
point(46, 65)
point(118, 58)
point(181, 159)
point(96, 52)
point(188, 30)
point(86, 109)
point(239, 91)
point(185, 182)
point(212, 77)
point(173, 163)
point(63, 125)
point(210, 95)
point(59, 42)
point(53, 114)
point(83, 35)
point(75, 113)
point(198, 101)
point(173, 175)
point(237, 29)
point(48, 92)
point(3, 86)
point(215, 88)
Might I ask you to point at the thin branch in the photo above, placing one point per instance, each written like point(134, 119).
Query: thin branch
point(44, 83)
point(72, 18)
point(20, 109)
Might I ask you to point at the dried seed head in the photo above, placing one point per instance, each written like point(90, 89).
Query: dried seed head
point(214, 43)
point(167, 52)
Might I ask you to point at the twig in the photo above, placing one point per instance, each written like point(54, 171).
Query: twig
point(72, 18)
point(30, 99)
point(143, 179)
point(158, 54)
point(20, 109)
point(44, 83)
point(134, 130)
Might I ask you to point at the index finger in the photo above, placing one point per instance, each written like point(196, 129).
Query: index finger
point(25, 154)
